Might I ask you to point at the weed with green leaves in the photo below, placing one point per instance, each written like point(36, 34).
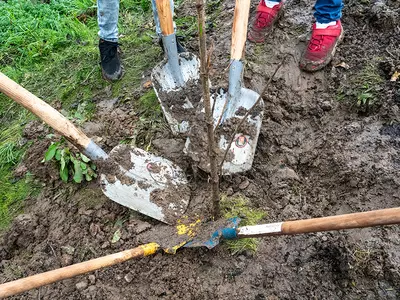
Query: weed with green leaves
point(72, 164)
point(239, 206)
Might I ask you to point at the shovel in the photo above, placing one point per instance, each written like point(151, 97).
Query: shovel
point(151, 185)
point(232, 106)
point(229, 231)
point(175, 79)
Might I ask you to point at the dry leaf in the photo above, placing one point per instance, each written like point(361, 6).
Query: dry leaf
point(343, 65)
point(395, 76)
point(147, 84)
point(116, 236)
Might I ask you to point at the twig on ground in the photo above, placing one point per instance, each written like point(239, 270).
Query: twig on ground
point(249, 112)
point(204, 75)
point(52, 249)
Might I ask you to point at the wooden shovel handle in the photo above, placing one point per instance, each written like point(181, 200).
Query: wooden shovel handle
point(44, 111)
point(165, 16)
point(239, 30)
point(388, 216)
point(35, 281)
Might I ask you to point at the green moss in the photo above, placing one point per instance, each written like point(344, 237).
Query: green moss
point(148, 103)
point(239, 206)
point(12, 194)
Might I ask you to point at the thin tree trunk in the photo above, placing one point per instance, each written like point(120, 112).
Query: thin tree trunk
point(204, 75)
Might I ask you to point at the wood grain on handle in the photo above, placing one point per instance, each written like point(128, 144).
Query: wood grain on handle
point(165, 16)
point(44, 111)
point(35, 281)
point(381, 217)
point(356, 220)
point(239, 30)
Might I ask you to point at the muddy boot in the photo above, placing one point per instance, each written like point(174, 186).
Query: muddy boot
point(179, 46)
point(321, 47)
point(264, 20)
point(110, 60)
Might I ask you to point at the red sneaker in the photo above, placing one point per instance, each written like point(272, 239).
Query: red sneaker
point(264, 21)
point(321, 47)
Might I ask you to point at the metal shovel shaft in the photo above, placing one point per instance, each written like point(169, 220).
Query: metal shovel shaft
point(234, 88)
point(171, 50)
point(169, 39)
point(239, 34)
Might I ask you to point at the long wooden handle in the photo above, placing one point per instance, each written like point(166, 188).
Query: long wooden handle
point(44, 111)
point(239, 30)
point(357, 220)
point(165, 16)
point(35, 281)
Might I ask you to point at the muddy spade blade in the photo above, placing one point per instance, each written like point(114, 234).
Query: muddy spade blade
point(149, 184)
point(175, 79)
point(210, 234)
point(242, 150)
point(231, 107)
point(146, 183)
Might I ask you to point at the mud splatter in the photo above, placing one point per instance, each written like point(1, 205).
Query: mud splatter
point(174, 198)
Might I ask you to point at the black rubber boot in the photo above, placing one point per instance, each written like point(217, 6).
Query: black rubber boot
point(179, 46)
point(110, 60)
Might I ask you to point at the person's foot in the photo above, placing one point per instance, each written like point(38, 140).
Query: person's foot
point(264, 21)
point(179, 46)
point(110, 60)
point(321, 47)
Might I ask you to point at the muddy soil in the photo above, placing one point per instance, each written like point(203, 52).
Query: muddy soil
point(316, 156)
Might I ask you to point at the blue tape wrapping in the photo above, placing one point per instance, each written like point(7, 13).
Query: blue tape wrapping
point(227, 232)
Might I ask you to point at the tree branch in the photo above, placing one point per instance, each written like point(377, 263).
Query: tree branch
point(204, 75)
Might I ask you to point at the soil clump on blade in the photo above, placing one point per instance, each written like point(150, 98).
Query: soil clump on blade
point(183, 103)
point(322, 151)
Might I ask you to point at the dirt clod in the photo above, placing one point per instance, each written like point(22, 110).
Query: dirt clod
point(128, 277)
point(66, 260)
point(92, 279)
point(81, 285)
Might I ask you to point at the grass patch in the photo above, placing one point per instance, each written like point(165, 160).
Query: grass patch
point(51, 49)
point(239, 206)
point(361, 257)
point(12, 192)
point(363, 91)
point(186, 26)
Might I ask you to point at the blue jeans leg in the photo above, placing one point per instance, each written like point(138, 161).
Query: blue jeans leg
point(328, 10)
point(107, 18)
point(155, 14)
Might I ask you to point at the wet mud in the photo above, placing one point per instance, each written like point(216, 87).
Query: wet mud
point(318, 155)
